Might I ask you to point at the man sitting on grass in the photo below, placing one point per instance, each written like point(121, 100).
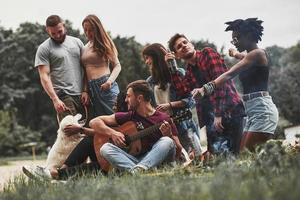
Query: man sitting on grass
point(157, 148)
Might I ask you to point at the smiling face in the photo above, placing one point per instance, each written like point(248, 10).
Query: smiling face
point(88, 31)
point(184, 49)
point(57, 33)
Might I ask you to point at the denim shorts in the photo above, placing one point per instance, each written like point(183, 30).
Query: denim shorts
point(262, 115)
point(102, 100)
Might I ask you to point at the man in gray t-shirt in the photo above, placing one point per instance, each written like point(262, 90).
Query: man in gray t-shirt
point(61, 74)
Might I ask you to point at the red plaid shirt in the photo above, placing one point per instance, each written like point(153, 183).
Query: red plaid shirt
point(211, 65)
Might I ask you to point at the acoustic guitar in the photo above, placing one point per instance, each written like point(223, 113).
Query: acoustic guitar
point(132, 137)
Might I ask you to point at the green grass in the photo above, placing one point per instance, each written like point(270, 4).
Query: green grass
point(271, 173)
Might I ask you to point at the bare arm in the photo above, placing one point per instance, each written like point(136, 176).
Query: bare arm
point(249, 60)
point(44, 72)
point(101, 126)
point(76, 128)
point(101, 123)
point(235, 54)
point(252, 58)
point(170, 105)
point(84, 95)
point(116, 68)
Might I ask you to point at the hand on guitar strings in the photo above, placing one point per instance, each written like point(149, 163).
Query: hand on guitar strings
point(118, 138)
point(165, 129)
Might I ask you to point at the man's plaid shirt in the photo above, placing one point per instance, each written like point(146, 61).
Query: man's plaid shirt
point(210, 65)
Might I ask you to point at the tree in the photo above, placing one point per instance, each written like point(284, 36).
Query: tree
point(285, 84)
point(22, 95)
point(130, 55)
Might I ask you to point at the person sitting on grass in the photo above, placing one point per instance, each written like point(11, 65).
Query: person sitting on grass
point(161, 146)
point(75, 164)
point(158, 147)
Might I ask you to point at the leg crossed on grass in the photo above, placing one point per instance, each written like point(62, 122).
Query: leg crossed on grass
point(162, 151)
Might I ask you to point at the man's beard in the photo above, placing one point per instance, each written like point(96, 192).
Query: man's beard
point(60, 41)
point(133, 107)
point(188, 56)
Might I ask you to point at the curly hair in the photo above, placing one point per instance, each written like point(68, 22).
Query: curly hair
point(173, 40)
point(251, 26)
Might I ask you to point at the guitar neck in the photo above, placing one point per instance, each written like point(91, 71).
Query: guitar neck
point(144, 132)
point(154, 128)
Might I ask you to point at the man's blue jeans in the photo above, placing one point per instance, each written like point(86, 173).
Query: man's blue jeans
point(163, 150)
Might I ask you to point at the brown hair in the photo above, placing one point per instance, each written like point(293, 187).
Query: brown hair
point(103, 44)
point(160, 71)
point(141, 87)
point(53, 20)
point(173, 40)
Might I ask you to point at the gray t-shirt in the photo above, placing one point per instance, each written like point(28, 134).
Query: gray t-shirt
point(66, 72)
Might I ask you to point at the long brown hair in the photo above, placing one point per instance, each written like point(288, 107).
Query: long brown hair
point(160, 71)
point(102, 44)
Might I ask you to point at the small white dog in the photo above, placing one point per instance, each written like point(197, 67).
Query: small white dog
point(63, 145)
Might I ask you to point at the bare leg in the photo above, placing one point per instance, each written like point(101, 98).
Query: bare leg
point(251, 139)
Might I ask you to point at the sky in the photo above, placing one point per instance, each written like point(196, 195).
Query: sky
point(157, 20)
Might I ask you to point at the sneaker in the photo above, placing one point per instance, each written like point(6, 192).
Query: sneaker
point(137, 170)
point(58, 182)
point(37, 173)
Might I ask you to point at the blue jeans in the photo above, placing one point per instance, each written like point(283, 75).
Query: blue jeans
point(103, 100)
point(188, 135)
point(162, 151)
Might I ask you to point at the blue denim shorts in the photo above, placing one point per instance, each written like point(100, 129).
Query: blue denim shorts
point(262, 115)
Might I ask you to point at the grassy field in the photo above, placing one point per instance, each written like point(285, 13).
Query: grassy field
point(271, 173)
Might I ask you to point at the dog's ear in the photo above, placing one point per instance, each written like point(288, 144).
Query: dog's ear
point(77, 117)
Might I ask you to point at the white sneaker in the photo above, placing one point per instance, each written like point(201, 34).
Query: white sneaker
point(37, 173)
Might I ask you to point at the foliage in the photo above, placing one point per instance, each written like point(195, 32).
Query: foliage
point(13, 136)
point(130, 56)
point(21, 92)
point(20, 87)
point(284, 81)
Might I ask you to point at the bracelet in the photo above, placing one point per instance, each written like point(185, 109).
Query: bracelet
point(171, 107)
point(209, 87)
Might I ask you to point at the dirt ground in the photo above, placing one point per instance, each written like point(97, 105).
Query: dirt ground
point(8, 172)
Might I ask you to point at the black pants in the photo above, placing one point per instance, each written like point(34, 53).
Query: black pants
point(76, 160)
